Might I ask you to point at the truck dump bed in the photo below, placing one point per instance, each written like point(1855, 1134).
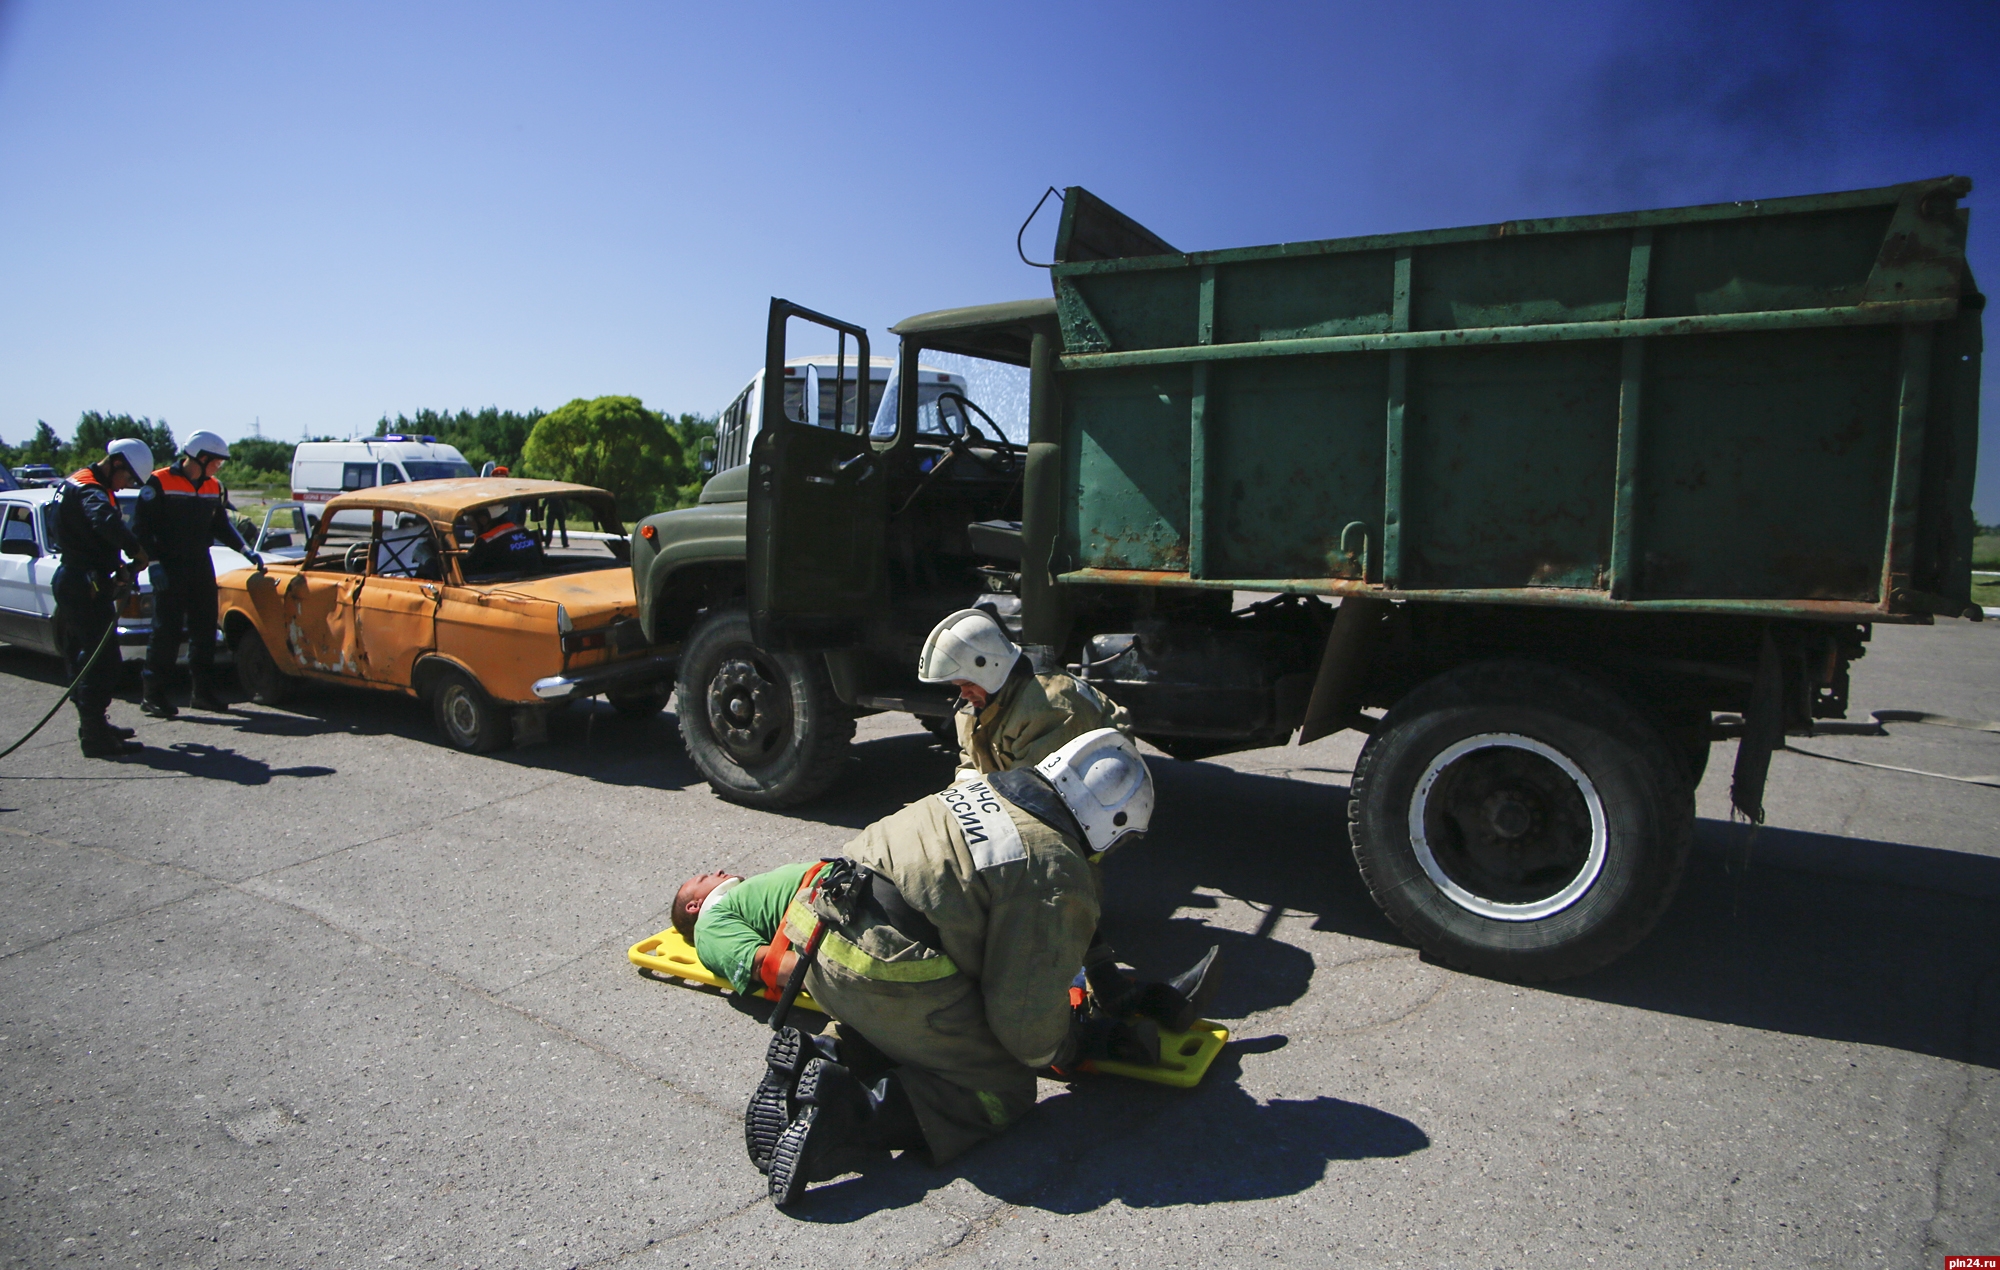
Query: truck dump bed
point(1759, 408)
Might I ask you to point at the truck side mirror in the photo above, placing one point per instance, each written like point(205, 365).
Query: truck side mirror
point(707, 460)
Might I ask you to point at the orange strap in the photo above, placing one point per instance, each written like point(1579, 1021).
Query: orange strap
point(781, 942)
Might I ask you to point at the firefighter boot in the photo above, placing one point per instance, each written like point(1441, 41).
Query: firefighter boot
point(771, 1105)
point(99, 739)
point(153, 699)
point(840, 1124)
point(204, 696)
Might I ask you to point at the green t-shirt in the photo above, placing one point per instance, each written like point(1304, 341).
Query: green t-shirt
point(732, 928)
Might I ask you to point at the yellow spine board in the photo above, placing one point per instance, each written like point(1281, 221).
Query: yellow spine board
point(1184, 1056)
point(668, 954)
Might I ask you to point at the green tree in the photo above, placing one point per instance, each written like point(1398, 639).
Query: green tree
point(614, 443)
point(690, 431)
point(259, 461)
point(44, 447)
point(94, 431)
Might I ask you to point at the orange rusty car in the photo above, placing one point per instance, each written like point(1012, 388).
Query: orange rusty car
point(493, 599)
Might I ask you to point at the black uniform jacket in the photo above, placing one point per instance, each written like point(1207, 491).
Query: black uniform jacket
point(89, 529)
point(177, 519)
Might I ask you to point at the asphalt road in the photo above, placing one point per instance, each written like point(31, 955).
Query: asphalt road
point(304, 987)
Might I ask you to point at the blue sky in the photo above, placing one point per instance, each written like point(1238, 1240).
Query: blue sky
point(312, 215)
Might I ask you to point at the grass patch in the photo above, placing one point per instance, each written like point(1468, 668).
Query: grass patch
point(1986, 592)
point(1986, 551)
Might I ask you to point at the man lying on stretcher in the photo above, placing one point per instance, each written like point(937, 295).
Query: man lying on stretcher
point(950, 972)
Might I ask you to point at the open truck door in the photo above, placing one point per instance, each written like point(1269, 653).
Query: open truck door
point(818, 506)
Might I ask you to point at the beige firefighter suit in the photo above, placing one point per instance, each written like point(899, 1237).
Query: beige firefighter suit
point(1030, 718)
point(1015, 907)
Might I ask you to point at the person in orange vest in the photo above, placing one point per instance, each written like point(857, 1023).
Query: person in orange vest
point(93, 536)
point(499, 545)
point(182, 511)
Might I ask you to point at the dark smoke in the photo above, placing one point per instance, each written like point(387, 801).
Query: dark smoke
point(1719, 99)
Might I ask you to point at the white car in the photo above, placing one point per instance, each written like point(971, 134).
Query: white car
point(29, 554)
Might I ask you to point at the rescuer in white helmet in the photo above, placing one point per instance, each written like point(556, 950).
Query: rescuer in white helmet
point(1008, 716)
point(94, 537)
point(954, 929)
point(183, 509)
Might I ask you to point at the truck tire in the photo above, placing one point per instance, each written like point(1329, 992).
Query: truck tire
point(1520, 821)
point(258, 674)
point(467, 718)
point(766, 729)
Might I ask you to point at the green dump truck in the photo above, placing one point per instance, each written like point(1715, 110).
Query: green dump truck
point(1544, 508)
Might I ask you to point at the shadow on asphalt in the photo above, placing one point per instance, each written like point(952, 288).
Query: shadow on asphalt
point(211, 762)
point(1106, 1140)
point(1846, 939)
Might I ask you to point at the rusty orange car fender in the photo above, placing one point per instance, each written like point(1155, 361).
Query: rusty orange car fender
point(431, 665)
point(254, 598)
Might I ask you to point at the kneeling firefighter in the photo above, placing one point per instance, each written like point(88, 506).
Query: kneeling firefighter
point(1008, 716)
point(182, 510)
point(93, 535)
point(945, 941)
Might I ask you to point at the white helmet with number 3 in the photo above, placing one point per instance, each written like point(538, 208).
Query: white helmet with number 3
point(968, 645)
point(1106, 785)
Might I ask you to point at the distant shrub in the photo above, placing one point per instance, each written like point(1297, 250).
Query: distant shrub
point(614, 443)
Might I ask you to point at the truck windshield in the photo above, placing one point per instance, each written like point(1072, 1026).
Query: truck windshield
point(997, 388)
point(435, 470)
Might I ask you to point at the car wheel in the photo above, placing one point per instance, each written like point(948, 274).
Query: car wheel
point(766, 729)
point(640, 705)
point(1520, 821)
point(258, 674)
point(469, 719)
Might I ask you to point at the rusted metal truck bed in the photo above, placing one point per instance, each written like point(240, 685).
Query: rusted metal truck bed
point(1764, 408)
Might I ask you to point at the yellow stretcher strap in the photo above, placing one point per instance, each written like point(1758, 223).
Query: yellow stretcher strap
point(842, 951)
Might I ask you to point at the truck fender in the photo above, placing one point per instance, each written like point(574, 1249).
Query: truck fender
point(1343, 669)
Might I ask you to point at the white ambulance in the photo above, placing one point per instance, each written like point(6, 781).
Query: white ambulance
point(321, 469)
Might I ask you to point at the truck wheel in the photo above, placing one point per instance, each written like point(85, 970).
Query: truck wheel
point(258, 672)
point(469, 719)
point(1520, 821)
point(765, 728)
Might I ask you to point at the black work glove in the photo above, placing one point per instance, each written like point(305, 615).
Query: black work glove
point(1102, 1037)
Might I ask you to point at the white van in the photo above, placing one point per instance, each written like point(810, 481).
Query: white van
point(738, 426)
point(321, 469)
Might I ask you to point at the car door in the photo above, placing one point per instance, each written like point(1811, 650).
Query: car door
point(817, 510)
point(318, 601)
point(395, 610)
point(24, 614)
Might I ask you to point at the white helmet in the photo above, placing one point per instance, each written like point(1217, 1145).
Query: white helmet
point(137, 455)
point(968, 645)
point(206, 443)
point(1106, 785)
